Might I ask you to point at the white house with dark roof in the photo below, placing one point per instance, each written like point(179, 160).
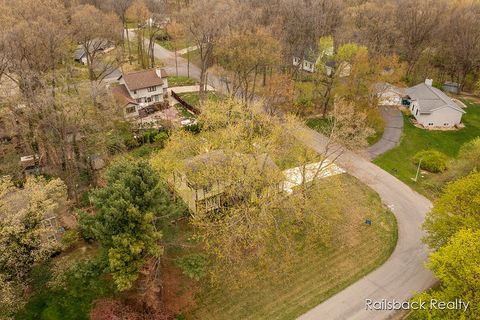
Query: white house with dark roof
point(141, 89)
point(433, 108)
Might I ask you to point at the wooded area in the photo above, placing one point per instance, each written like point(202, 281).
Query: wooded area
point(132, 244)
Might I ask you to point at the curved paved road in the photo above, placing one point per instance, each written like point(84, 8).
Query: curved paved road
point(392, 134)
point(403, 273)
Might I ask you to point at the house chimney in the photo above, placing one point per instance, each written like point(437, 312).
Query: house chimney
point(429, 82)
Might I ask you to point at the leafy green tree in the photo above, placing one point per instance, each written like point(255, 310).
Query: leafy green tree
point(24, 239)
point(457, 208)
point(70, 291)
point(127, 208)
point(431, 160)
point(469, 157)
point(193, 265)
point(456, 265)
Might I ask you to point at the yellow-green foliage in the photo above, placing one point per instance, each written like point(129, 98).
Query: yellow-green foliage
point(457, 208)
point(23, 237)
point(431, 160)
point(457, 266)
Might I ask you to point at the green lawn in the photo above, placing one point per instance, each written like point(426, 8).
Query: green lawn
point(170, 44)
point(73, 301)
point(178, 81)
point(194, 99)
point(317, 124)
point(398, 161)
point(194, 57)
point(184, 112)
point(164, 40)
point(321, 271)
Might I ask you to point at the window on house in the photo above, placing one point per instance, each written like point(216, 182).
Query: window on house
point(416, 113)
point(430, 124)
point(445, 124)
point(130, 109)
point(134, 91)
point(49, 222)
point(212, 203)
point(149, 99)
point(151, 89)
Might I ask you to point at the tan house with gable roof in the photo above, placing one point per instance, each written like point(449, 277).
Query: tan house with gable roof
point(140, 89)
point(203, 190)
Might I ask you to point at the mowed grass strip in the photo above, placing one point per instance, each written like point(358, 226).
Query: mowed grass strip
point(398, 161)
point(319, 273)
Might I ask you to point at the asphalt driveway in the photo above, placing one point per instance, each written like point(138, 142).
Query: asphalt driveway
point(392, 134)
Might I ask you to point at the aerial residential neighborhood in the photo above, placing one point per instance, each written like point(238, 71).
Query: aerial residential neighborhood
point(222, 159)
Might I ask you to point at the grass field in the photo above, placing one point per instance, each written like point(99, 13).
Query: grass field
point(170, 44)
point(72, 301)
point(320, 273)
point(398, 161)
point(194, 57)
point(178, 81)
point(184, 112)
point(194, 99)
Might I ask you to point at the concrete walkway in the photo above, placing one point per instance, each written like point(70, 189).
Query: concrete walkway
point(186, 50)
point(184, 89)
point(305, 174)
point(392, 134)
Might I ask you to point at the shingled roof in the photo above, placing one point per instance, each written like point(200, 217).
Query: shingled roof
point(144, 79)
point(122, 96)
point(430, 98)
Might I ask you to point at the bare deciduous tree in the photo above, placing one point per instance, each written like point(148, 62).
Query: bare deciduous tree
point(417, 22)
point(207, 21)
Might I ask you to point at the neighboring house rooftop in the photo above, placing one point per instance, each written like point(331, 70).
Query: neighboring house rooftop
point(381, 87)
point(217, 159)
point(122, 96)
point(96, 44)
point(430, 98)
point(144, 78)
point(79, 53)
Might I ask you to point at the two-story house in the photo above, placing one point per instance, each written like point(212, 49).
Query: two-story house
point(139, 89)
point(203, 185)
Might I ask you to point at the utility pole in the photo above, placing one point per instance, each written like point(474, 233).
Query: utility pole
point(418, 170)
